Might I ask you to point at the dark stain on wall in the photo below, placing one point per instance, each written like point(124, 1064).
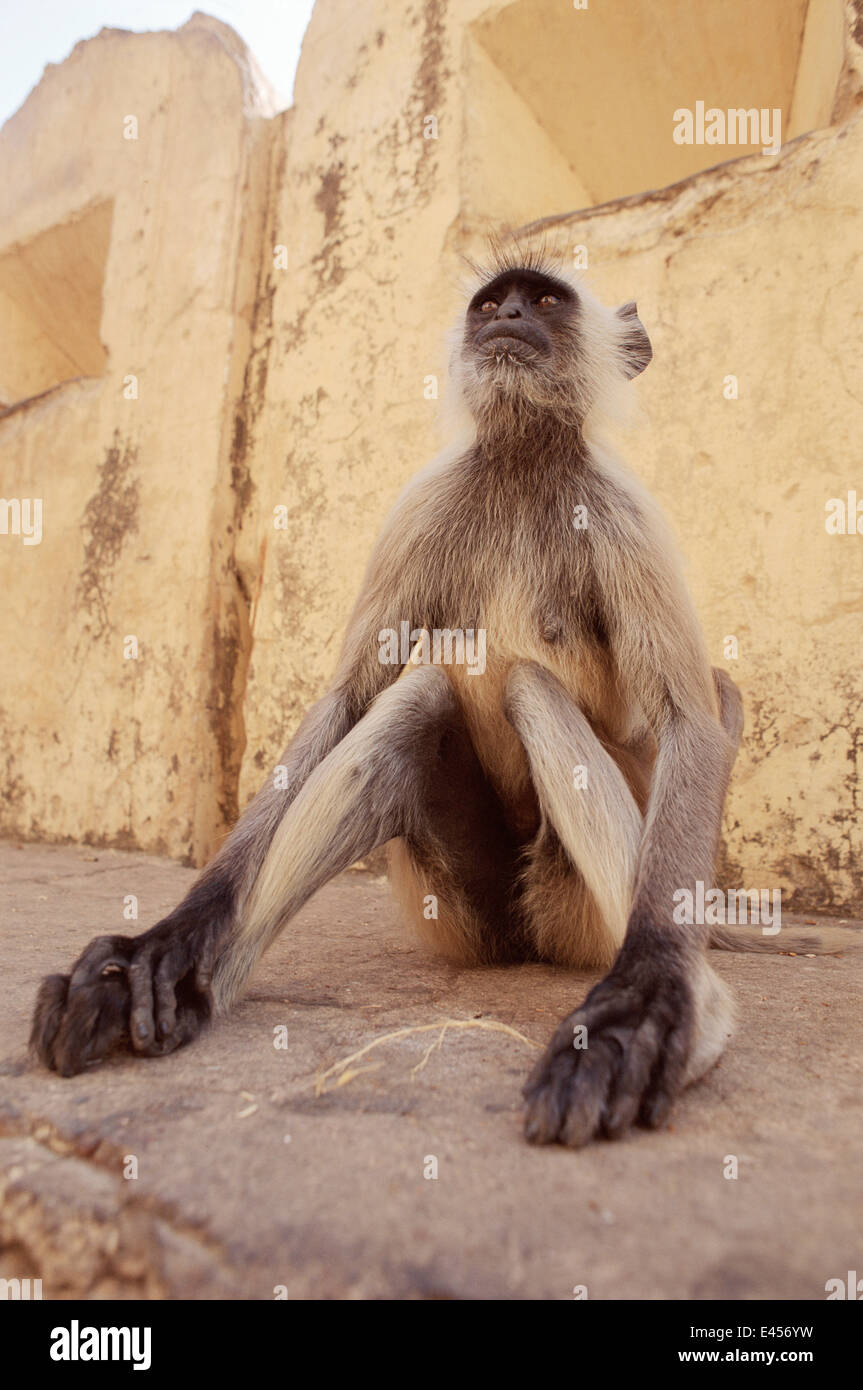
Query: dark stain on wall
point(329, 198)
point(110, 516)
point(427, 95)
point(231, 635)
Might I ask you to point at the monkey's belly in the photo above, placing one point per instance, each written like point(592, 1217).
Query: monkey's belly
point(498, 747)
point(586, 674)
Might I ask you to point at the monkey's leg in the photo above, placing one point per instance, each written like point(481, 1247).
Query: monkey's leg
point(407, 773)
point(581, 867)
point(81, 1017)
point(155, 992)
point(456, 875)
point(669, 1004)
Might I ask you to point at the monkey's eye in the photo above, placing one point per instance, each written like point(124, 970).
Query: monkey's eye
point(545, 300)
point(487, 306)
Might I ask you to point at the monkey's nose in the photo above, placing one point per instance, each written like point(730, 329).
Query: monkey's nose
point(508, 311)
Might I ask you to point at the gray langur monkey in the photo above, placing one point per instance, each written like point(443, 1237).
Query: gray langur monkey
point(553, 802)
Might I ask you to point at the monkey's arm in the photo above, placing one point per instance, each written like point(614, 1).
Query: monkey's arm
point(154, 992)
point(696, 716)
point(660, 1017)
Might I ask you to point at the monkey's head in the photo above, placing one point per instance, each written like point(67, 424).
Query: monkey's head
point(537, 343)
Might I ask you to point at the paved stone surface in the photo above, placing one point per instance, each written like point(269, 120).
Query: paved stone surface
point(248, 1180)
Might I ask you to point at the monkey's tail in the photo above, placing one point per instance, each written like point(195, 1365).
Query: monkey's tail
point(779, 945)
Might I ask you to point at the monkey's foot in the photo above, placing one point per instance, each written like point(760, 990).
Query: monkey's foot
point(621, 1059)
point(148, 994)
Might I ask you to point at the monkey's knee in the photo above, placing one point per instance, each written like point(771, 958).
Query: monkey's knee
point(399, 734)
point(423, 696)
point(369, 789)
point(528, 688)
point(730, 704)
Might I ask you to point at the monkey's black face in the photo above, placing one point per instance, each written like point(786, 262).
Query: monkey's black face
point(520, 318)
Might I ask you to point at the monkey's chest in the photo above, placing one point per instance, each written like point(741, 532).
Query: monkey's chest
point(547, 614)
point(523, 607)
point(524, 597)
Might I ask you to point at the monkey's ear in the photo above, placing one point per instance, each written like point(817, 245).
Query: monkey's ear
point(635, 344)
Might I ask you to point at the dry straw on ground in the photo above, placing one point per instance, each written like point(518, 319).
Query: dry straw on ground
point(340, 1073)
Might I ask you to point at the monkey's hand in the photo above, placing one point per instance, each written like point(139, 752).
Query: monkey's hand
point(620, 1059)
point(148, 994)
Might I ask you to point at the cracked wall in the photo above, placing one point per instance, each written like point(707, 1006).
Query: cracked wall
point(104, 740)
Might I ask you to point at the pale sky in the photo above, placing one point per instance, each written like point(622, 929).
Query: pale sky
point(36, 32)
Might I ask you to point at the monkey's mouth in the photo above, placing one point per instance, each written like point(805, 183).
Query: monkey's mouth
point(510, 342)
point(508, 348)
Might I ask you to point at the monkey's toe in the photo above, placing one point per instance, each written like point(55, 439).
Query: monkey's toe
point(76, 1025)
point(617, 1061)
point(124, 994)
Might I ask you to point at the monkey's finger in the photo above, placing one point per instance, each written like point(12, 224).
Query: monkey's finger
point(48, 1014)
point(94, 1022)
point(204, 963)
point(547, 1093)
point(142, 1028)
point(166, 999)
point(632, 1078)
point(667, 1082)
point(656, 1109)
point(588, 1091)
point(191, 1018)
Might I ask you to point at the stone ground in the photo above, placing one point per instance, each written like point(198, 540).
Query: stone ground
point(247, 1179)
